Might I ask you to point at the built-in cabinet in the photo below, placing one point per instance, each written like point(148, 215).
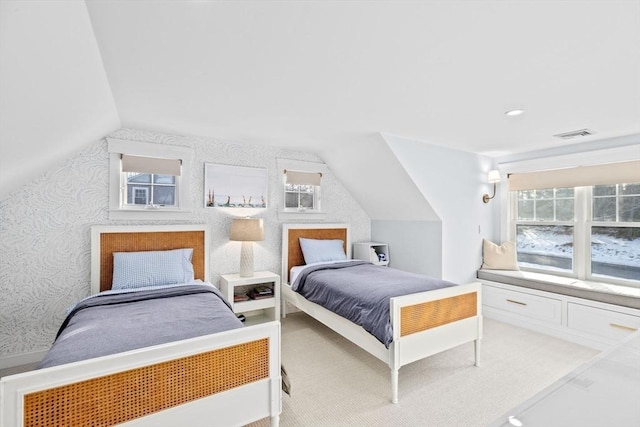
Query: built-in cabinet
point(376, 253)
point(586, 322)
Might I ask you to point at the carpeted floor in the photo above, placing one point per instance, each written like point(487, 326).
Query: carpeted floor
point(335, 383)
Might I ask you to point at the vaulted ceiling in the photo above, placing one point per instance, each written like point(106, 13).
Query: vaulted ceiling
point(314, 75)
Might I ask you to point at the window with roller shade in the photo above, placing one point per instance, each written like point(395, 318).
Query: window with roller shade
point(148, 180)
point(302, 190)
point(582, 222)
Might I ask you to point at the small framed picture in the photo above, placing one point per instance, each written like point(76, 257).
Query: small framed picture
point(227, 186)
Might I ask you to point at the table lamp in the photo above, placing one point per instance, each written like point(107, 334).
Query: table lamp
point(247, 231)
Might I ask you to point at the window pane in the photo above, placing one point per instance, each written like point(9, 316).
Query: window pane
point(630, 209)
point(564, 210)
point(544, 210)
point(565, 192)
point(290, 200)
point(164, 195)
point(306, 200)
point(544, 194)
point(615, 252)
point(604, 209)
point(604, 190)
point(525, 209)
point(525, 194)
point(138, 177)
point(164, 179)
point(138, 194)
point(627, 189)
point(545, 246)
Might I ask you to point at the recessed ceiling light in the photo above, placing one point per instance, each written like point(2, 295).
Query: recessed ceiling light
point(516, 112)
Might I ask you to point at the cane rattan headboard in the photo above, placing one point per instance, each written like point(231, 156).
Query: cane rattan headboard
point(291, 252)
point(107, 240)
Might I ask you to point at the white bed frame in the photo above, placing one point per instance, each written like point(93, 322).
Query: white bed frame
point(235, 405)
point(404, 349)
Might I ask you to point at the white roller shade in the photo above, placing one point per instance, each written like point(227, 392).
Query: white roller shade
point(154, 165)
point(303, 178)
point(607, 174)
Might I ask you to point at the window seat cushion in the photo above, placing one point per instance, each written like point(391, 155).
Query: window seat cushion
point(625, 296)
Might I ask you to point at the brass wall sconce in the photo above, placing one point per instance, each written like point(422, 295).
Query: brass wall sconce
point(494, 178)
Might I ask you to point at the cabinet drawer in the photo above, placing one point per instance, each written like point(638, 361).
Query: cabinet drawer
point(531, 306)
point(604, 323)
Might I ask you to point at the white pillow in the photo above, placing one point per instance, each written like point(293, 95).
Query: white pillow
point(499, 257)
point(137, 269)
point(315, 250)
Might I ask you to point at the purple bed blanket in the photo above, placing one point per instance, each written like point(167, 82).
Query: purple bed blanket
point(361, 292)
point(113, 323)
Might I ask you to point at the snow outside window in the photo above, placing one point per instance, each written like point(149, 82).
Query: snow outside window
point(592, 233)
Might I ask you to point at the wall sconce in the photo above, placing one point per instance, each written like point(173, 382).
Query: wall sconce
point(247, 231)
point(494, 178)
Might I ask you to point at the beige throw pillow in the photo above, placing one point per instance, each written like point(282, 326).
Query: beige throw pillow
point(499, 257)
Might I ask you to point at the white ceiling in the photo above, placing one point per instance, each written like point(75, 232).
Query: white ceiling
point(315, 75)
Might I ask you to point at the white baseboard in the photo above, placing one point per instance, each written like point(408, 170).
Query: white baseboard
point(21, 359)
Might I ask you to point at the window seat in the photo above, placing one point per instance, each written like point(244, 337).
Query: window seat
point(624, 296)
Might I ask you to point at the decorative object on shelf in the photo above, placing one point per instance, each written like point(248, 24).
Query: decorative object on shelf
point(494, 178)
point(373, 256)
point(227, 186)
point(247, 231)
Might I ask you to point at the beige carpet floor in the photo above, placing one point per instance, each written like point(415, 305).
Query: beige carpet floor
point(335, 383)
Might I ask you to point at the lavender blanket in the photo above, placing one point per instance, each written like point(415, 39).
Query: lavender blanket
point(360, 292)
point(113, 323)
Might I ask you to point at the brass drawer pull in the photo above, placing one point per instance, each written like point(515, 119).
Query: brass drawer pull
point(626, 328)
point(516, 302)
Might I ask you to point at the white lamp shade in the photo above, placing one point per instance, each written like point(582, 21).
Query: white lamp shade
point(494, 176)
point(247, 230)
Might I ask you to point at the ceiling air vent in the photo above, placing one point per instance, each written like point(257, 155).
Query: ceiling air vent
point(574, 134)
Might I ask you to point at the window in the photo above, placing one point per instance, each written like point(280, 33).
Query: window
point(148, 181)
point(150, 189)
point(615, 231)
point(302, 189)
point(591, 232)
point(544, 228)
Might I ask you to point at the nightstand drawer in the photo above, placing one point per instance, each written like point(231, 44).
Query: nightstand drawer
point(531, 306)
point(605, 323)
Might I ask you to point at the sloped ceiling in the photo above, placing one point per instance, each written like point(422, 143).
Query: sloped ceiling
point(315, 75)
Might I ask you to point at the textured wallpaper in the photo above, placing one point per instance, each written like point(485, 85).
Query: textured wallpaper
point(45, 230)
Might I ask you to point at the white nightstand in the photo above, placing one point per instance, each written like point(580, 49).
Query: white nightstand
point(255, 310)
point(363, 251)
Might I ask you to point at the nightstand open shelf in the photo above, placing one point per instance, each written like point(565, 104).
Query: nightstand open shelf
point(364, 252)
point(255, 310)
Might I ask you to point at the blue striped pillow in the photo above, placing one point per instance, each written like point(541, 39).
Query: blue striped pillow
point(137, 269)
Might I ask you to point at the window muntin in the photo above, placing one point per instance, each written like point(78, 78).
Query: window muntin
point(592, 233)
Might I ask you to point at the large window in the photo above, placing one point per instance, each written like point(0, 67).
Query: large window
point(589, 232)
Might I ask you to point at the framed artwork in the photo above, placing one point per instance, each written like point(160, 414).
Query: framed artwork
point(228, 186)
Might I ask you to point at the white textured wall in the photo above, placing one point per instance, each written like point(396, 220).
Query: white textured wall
point(45, 230)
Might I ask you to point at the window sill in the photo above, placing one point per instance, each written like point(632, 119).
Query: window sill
point(311, 216)
point(157, 214)
point(626, 296)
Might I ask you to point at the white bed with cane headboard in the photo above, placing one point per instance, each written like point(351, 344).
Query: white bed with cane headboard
point(423, 323)
point(206, 380)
